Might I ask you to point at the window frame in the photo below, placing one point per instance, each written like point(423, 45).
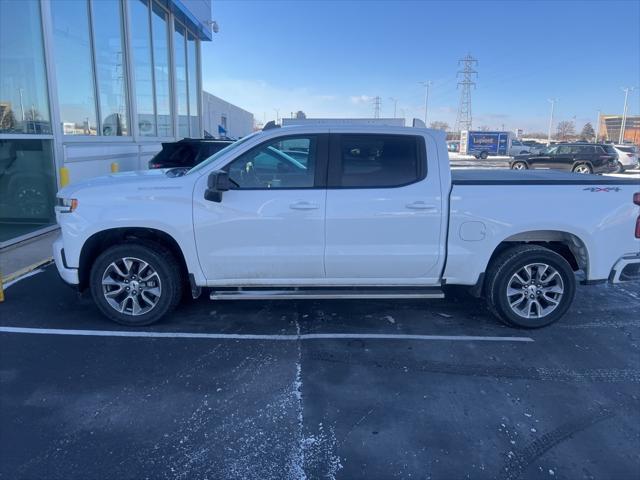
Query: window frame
point(321, 152)
point(334, 170)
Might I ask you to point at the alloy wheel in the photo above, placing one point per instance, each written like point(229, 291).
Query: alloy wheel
point(131, 286)
point(535, 290)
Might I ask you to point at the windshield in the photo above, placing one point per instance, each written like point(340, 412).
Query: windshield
point(220, 153)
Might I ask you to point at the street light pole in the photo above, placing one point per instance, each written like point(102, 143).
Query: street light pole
point(597, 129)
point(395, 106)
point(624, 113)
point(426, 85)
point(553, 104)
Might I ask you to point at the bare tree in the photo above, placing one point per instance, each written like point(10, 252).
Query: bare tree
point(300, 115)
point(484, 128)
point(565, 129)
point(439, 126)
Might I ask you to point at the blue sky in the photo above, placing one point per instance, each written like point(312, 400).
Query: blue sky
point(329, 58)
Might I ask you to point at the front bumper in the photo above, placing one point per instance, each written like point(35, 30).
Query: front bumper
point(69, 275)
point(626, 269)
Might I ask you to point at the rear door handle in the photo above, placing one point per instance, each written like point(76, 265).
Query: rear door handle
point(304, 206)
point(420, 206)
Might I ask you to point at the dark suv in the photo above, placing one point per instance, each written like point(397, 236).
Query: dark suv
point(186, 152)
point(573, 157)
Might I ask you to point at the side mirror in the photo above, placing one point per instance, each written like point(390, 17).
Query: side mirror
point(217, 183)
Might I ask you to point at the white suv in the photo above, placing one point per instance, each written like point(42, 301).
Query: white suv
point(627, 156)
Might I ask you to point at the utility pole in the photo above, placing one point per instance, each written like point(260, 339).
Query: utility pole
point(553, 104)
point(426, 84)
point(395, 106)
point(597, 128)
point(464, 120)
point(277, 115)
point(376, 107)
point(624, 113)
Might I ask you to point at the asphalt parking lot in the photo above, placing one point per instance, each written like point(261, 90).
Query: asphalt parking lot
point(264, 390)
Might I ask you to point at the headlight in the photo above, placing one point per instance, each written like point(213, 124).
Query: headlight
point(66, 205)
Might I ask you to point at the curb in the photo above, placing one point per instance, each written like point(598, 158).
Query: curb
point(21, 272)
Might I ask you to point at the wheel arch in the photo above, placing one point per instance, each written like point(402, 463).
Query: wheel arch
point(100, 241)
point(566, 244)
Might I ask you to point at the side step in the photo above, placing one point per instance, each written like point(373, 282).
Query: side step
point(326, 293)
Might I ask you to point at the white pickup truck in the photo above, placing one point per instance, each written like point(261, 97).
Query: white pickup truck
point(339, 211)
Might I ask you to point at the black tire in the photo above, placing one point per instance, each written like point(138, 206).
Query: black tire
point(620, 168)
point(514, 166)
point(590, 170)
point(161, 260)
point(507, 264)
point(484, 155)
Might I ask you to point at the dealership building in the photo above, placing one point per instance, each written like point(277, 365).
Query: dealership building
point(85, 84)
point(609, 127)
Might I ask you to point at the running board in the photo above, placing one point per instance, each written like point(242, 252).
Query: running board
point(327, 293)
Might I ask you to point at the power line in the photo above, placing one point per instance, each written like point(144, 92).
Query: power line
point(464, 119)
point(376, 106)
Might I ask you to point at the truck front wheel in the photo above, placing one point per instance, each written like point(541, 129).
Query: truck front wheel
point(135, 284)
point(529, 286)
point(484, 155)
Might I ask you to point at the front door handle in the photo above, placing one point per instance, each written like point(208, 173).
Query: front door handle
point(304, 206)
point(420, 206)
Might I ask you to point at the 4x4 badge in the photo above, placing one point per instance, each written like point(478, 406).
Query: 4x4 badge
point(602, 189)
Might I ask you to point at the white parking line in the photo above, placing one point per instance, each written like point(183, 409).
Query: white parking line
point(238, 336)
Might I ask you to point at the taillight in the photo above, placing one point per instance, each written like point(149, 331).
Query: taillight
point(636, 200)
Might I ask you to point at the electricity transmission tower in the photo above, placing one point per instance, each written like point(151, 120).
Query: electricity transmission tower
point(376, 107)
point(468, 73)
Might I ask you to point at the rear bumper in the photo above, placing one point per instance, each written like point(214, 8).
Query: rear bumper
point(69, 275)
point(626, 269)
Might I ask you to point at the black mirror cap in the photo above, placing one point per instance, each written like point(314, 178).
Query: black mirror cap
point(219, 181)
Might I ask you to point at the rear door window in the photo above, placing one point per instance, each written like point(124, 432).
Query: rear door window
point(376, 161)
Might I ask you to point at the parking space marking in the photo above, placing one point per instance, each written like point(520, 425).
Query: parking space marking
point(243, 336)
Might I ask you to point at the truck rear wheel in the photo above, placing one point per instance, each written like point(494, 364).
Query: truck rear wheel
point(484, 155)
point(529, 286)
point(135, 284)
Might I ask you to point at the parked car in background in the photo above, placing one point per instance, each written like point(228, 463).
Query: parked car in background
point(627, 156)
point(573, 157)
point(534, 147)
point(186, 152)
point(518, 148)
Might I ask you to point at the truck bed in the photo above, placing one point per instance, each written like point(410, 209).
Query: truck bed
point(533, 177)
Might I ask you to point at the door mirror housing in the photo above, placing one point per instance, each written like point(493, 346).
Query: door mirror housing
point(217, 183)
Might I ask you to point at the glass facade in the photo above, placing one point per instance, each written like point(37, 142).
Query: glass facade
point(27, 186)
point(110, 66)
point(142, 67)
point(161, 69)
point(24, 107)
point(74, 68)
point(182, 96)
point(192, 74)
point(83, 57)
